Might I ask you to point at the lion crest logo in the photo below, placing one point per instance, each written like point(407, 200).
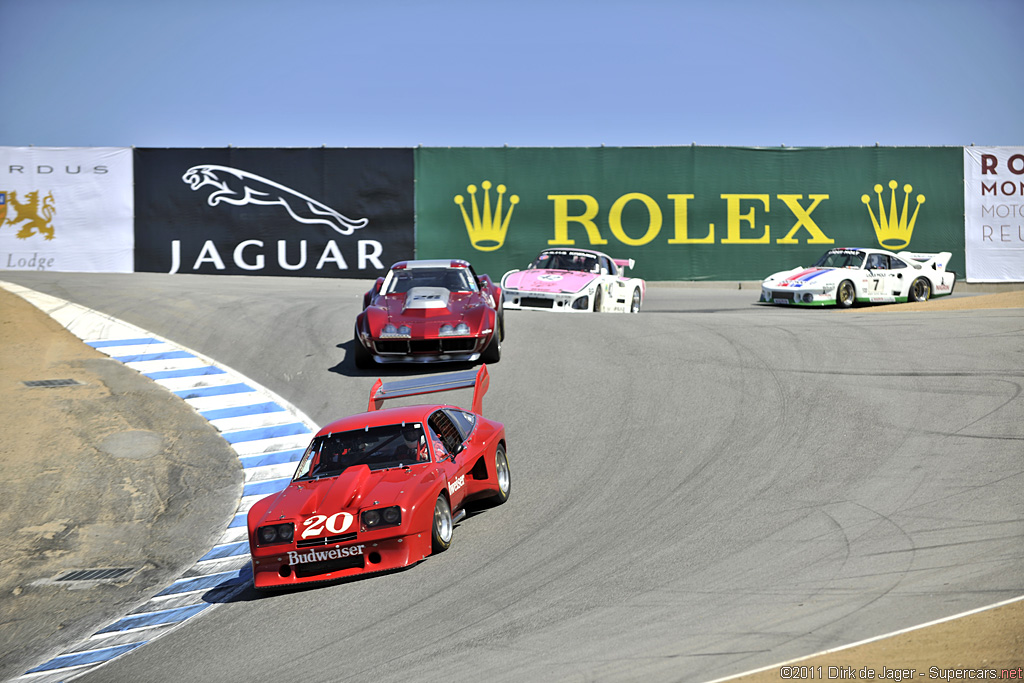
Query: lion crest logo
point(31, 217)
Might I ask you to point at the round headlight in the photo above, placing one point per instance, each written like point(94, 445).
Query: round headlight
point(446, 329)
point(388, 329)
point(404, 329)
point(371, 518)
point(392, 515)
point(285, 532)
point(462, 328)
point(268, 534)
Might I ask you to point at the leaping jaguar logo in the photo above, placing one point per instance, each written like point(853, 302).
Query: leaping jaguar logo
point(238, 187)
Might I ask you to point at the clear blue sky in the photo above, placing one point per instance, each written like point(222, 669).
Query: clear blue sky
point(398, 73)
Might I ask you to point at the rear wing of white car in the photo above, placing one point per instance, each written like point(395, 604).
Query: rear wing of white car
point(937, 261)
point(624, 263)
point(479, 381)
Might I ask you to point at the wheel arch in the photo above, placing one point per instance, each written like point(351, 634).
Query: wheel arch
point(481, 468)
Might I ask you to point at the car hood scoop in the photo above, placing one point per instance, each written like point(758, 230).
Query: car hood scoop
point(426, 302)
point(306, 498)
point(420, 298)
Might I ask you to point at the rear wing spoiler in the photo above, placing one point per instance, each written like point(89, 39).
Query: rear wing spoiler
point(936, 261)
point(624, 262)
point(479, 381)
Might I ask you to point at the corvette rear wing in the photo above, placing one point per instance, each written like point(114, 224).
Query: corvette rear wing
point(479, 380)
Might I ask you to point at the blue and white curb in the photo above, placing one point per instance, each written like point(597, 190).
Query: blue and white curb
point(268, 434)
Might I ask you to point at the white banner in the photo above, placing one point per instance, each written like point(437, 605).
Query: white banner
point(994, 213)
point(67, 209)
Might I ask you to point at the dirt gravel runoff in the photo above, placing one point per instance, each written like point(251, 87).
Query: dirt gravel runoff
point(1013, 299)
point(95, 472)
point(110, 471)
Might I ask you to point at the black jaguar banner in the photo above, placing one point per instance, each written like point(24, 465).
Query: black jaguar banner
point(252, 211)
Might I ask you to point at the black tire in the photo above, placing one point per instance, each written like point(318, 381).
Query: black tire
point(846, 294)
point(492, 354)
point(634, 304)
point(442, 527)
point(597, 300)
point(920, 290)
point(363, 358)
point(501, 323)
point(503, 474)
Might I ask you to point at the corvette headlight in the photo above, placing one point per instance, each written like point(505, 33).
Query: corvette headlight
point(389, 516)
point(390, 330)
point(462, 328)
point(275, 533)
point(404, 329)
point(446, 329)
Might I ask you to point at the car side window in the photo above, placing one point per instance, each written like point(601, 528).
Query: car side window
point(445, 430)
point(437, 444)
point(474, 280)
point(463, 421)
point(606, 266)
point(896, 263)
point(877, 262)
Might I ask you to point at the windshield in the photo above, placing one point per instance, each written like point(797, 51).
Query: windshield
point(566, 260)
point(452, 279)
point(378, 447)
point(841, 258)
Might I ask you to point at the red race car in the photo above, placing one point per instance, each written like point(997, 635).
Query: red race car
point(382, 489)
point(434, 310)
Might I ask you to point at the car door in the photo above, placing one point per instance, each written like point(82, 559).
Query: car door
point(898, 274)
point(616, 285)
point(448, 444)
point(876, 268)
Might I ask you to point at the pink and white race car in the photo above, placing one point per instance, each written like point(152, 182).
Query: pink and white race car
point(574, 280)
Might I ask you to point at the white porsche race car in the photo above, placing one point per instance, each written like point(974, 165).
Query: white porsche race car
point(845, 276)
point(574, 280)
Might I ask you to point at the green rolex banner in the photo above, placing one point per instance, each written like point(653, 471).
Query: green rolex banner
point(687, 213)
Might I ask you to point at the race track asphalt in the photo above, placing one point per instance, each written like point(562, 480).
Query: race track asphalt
point(700, 490)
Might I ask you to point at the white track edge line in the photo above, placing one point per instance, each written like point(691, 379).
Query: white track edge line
point(873, 639)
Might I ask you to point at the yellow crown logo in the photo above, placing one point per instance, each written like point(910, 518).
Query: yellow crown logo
point(892, 229)
point(487, 231)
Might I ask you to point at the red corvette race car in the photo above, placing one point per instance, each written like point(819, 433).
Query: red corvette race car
point(382, 489)
point(430, 311)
